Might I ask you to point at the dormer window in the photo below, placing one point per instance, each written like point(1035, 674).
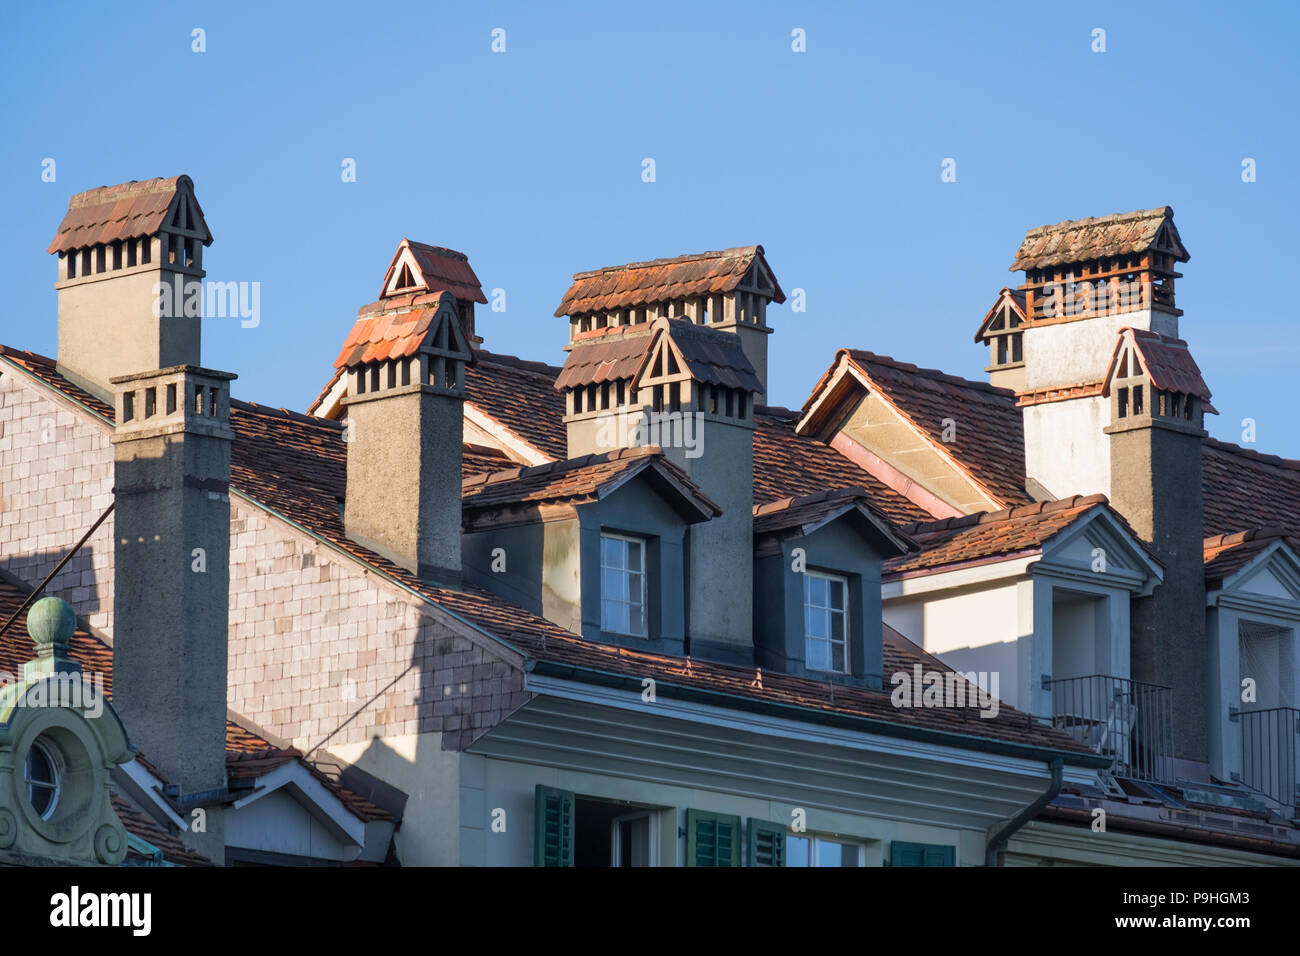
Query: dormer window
point(826, 622)
point(622, 585)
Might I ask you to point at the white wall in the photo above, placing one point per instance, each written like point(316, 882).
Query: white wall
point(1066, 450)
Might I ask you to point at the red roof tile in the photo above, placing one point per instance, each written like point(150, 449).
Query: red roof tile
point(811, 510)
point(1021, 530)
point(988, 441)
point(663, 280)
point(522, 397)
point(1081, 240)
point(1226, 554)
point(440, 269)
point(386, 336)
point(1244, 489)
point(124, 211)
point(1166, 360)
point(606, 355)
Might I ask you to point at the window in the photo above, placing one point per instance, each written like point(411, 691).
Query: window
point(820, 851)
point(43, 772)
point(622, 585)
point(634, 840)
point(826, 624)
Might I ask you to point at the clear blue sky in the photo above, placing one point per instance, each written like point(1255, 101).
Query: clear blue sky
point(530, 162)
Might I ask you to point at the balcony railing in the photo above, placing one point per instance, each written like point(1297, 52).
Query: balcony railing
point(1268, 752)
point(1117, 717)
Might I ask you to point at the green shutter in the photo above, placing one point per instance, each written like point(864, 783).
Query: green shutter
point(552, 827)
point(921, 854)
point(766, 844)
point(712, 839)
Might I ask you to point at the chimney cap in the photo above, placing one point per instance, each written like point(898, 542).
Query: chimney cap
point(126, 211)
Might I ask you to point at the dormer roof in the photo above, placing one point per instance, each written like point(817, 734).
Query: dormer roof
point(1098, 237)
point(1012, 299)
point(417, 266)
point(129, 210)
point(667, 280)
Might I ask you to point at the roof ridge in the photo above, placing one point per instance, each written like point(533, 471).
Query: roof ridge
point(931, 373)
point(514, 361)
point(735, 252)
point(1290, 464)
point(561, 465)
point(1108, 219)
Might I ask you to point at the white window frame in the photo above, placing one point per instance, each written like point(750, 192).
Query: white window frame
point(652, 836)
point(807, 638)
point(815, 840)
point(645, 610)
point(54, 759)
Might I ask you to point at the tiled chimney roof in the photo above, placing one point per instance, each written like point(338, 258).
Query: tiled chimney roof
point(712, 356)
point(663, 280)
point(1167, 360)
point(387, 336)
point(605, 355)
point(1081, 240)
point(124, 211)
point(439, 269)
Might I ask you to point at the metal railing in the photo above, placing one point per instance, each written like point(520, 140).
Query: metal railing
point(1268, 752)
point(1126, 719)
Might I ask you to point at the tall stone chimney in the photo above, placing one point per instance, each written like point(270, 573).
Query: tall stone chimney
point(118, 247)
point(1085, 279)
point(171, 580)
point(1157, 400)
point(405, 366)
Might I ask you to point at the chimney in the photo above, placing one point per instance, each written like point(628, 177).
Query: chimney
point(419, 270)
point(118, 246)
point(728, 291)
point(405, 363)
point(634, 377)
point(171, 580)
point(1085, 279)
point(1157, 400)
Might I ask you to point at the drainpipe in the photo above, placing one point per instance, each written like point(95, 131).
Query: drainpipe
point(999, 840)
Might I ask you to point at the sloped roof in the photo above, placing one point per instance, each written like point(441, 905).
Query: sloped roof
point(389, 335)
point(712, 356)
point(579, 480)
point(1244, 489)
point(124, 211)
point(142, 825)
point(1081, 240)
point(300, 490)
point(790, 465)
point(1017, 299)
point(811, 511)
point(1226, 554)
point(662, 280)
point(987, 440)
point(992, 534)
point(605, 355)
point(1167, 361)
point(440, 269)
point(521, 396)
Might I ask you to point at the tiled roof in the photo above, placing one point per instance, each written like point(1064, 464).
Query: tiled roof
point(124, 211)
point(578, 480)
point(712, 356)
point(297, 484)
point(522, 397)
point(1017, 298)
point(1243, 489)
point(440, 268)
point(1081, 240)
point(605, 355)
point(790, 465)
point(1226, 554)
point(390, 335)
point(141, 825)
point(1021, 530)
point(1057, 393)
point(787, 513)
point(1166, 360)
point(988, 439)
point(663, 280)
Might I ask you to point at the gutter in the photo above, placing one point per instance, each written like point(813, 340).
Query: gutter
point(998, 842)
point(875, 725)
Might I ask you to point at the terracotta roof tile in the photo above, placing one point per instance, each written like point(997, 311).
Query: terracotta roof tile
point(1013, 531)
point(607, 355)
point(441, 269)
point(141, 825)
point(124, 211)
point(1226, 554)
point(712, 356)
point(1081, 240)
point(989, 438)
point(1244, 489)
point(662, 280)
point(1167, 361)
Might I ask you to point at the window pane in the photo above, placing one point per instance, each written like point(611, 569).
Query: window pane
point(796, 851)
point(818, 623)
point(836, 626)
point(819, 657)
point(816, 590)
point(837, 594)
point(611, 552)
point(616, 617)
point(614, 587)
point(837, 658)
point(634, 550)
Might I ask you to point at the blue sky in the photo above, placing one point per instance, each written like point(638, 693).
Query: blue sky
point(530, 161)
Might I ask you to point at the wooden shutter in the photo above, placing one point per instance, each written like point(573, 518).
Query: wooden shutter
point(552, 827)
point(921, 854)
point(712, 839)
point(766, 844)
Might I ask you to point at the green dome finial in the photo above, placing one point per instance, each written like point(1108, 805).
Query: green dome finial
point(51, 621)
